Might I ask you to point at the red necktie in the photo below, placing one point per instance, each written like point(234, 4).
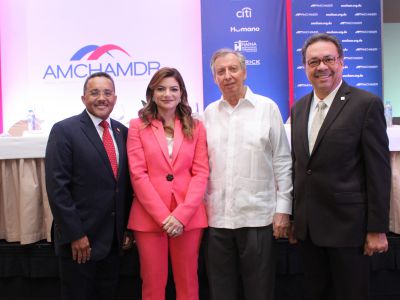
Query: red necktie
point(109, 146)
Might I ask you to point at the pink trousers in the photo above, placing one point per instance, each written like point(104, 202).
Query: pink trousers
point(153, 253)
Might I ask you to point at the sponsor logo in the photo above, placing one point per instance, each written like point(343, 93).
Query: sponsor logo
point(336, 15)
point(351, 23)
point(366, 32)
point(245, 46)
point(245, 29)
point(253, 62)
point(352, 41)
point(306, 14)
point(353, 57)
point(366, 49)
point(321, 23)
point(93, 58)
point(353, 76)
point(306, 31)
point(367, 67)
point(351, 5)
point(244, 13)
point(300, 67)
point(304, 85)
point(367, 84)
point(321, 5)
point(365, 14)
point(337, 32)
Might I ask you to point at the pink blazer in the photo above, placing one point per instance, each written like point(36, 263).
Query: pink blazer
point(157, 179)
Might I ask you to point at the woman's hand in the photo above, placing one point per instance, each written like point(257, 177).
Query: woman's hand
point(172, 226)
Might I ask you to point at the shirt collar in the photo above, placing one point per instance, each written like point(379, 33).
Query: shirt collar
point(248, 97)
point(328, 99)
point(96, 121)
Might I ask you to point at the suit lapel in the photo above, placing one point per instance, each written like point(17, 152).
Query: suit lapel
point(178, 139)
point(158, 130)
point(303, 119)
point(340, 100)
point(90, 131)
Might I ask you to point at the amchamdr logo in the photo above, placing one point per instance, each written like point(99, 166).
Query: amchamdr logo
point(244, 13)
point(245, 46)
point(100, 58)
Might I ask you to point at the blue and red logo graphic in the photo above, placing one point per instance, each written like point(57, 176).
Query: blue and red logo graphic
point(97, 51)
point(78, 68)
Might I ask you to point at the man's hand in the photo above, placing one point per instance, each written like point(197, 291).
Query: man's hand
point(172, 226)
point(128, 240)
point(81, 250)
point(375, 242)
point(281, 225)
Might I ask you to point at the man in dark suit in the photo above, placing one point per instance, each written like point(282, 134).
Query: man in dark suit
point(89, 193)
point(341, 176)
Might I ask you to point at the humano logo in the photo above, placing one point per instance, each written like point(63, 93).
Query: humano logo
point(93, 58)
point(245, 29)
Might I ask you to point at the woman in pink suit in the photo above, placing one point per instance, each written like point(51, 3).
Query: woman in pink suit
point(168, 162)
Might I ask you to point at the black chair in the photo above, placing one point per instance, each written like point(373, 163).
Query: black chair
point(396, 120)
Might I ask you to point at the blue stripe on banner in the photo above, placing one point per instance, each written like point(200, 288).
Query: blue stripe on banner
point(257, 28)
point(357, 24)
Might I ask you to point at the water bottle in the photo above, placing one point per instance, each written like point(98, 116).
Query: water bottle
point(31, 120)
point(388, 113)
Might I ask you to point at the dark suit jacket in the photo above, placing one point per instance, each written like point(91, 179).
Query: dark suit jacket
point(84, 196)
point(341, 190)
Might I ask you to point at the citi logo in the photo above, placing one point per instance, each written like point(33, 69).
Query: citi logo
point(245, 12)
point(92, 58)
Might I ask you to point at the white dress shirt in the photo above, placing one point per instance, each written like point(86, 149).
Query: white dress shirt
point(250, 163)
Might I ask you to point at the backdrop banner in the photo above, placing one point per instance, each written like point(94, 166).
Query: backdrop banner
point(45, 65)
point(258, 30)
point(357, 24)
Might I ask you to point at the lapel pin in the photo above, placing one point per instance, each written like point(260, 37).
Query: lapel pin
point(118, 129)
point(342, 98)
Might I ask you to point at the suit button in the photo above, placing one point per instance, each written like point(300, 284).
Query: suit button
point(170, 177)
point(309, 172)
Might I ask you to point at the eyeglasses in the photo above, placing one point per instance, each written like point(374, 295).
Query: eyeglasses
point(327, 60)
point(97, 93)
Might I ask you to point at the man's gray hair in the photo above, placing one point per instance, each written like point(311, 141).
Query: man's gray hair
point(226, 51)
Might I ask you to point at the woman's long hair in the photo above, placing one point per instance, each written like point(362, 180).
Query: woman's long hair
point(183, 110)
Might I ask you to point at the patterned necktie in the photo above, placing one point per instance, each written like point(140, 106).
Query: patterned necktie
point(109, 146)
point(316, 124)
